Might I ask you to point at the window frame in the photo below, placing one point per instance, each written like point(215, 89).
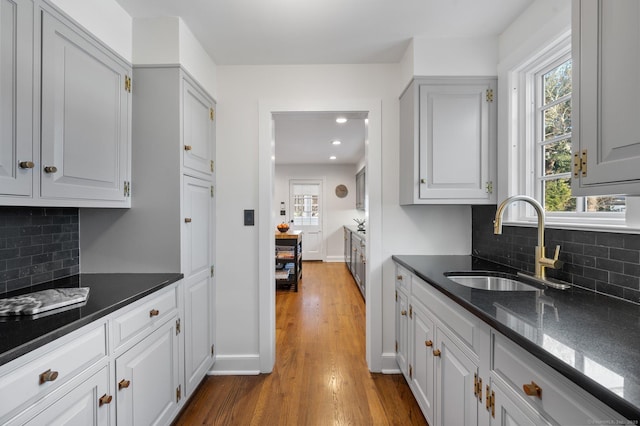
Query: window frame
point(526, 156)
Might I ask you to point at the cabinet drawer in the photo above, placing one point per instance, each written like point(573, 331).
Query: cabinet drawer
point(560, 399)
point(403, 278)
point(144, 317)
point(30, 382)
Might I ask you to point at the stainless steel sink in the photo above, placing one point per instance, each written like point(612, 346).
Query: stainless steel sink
point(491, 282)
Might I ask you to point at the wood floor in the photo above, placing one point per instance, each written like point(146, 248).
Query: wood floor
point(320, 376)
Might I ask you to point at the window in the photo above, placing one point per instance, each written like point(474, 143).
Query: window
point(305, 204)
point(542, 91)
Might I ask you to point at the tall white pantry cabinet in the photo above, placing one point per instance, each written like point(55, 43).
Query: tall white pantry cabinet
point(170, 226)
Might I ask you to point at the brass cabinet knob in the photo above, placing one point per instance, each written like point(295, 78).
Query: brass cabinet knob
point(428, 343)
point(50, 169)
point(187, 220)
point(26, 164)
point(188, 148)
point(403, 312)
point(423, 180)
point(532, 389)
point(154, 313)
point(123, 384)
point(48, 376)
point(437, 352)
point(399, 277)
point(104, 399)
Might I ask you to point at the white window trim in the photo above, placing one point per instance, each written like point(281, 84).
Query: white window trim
point(521, 179)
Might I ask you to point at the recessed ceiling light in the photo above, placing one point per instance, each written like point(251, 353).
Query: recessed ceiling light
point(333, 157)
point(336, 142)
point(341, 120)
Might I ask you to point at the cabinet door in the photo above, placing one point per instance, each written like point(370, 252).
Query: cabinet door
point(606, 96)
point(360, 189)
point(422, 360)
point(82, 406)
point(85, 117)
point(509, 410)
point(456, 404)
point(198, 287)
point(16, 79)
point(402, 332)
point(198, 130)
point(454, 142)
point(147, 381)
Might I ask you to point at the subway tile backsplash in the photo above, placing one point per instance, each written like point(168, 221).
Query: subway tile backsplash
point(37, 245)
point(603, 262)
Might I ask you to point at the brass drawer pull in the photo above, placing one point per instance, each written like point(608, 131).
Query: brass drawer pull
point(105, 399)
point(154, 313)
point(187, 220)
point(122, 384)
point(187, 147)
point(50, 169)
point(48, 376)
point(403, 312)
point(428, 343)
point(399, 277)
point(532, 389)
point(437, 352)
point(26, 164)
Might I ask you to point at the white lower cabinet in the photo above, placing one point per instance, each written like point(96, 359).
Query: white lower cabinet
point(462, 372)
point(147, 376)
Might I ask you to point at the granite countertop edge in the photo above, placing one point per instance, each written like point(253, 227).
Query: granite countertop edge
point(612, 400)
point(154, 285)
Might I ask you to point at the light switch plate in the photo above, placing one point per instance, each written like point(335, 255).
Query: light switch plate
point(249, 218)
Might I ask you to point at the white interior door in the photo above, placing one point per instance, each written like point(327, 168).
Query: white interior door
point(306, 215)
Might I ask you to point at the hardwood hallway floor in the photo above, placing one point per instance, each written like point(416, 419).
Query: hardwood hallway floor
point(320, 376)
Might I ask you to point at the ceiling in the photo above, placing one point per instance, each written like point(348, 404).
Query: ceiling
point(269, 32)
point(257, 32)
point(306, 137)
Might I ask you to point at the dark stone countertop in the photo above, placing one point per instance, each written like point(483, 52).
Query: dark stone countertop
point(360, 234)
point(108, 293)
point(592, 339)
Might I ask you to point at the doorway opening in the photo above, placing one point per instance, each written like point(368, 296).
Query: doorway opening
point(269, 207)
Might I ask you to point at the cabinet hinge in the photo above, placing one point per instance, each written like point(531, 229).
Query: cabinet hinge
point(475, 384)
point(212, 114)
point(127, 84)
point(212, 191)
point(212, 271)
point(211, 165)
point(491, 402)
point(489, 187)
point(489, 95)
point(410, 311)
point(127, 188)
point(580, 164)
point(396, 346)
point(396, 295)
point(177, 326)
point(410, 371)
point(213, 350)
point(178, 393)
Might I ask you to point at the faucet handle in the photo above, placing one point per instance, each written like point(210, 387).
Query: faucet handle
point(556, 254)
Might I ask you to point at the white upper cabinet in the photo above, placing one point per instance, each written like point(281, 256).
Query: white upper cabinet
point(16, 77)
point(85, 117)
point(198, 118)
point(65, 128)
point(606, 97)
point(448, 141)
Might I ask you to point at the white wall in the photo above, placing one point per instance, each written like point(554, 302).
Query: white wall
point(406, 230)
point(337, 211)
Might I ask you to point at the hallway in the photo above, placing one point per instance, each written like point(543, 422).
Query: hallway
point(320, 376)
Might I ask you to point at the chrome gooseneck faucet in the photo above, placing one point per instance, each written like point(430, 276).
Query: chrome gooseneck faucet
point(541, 261)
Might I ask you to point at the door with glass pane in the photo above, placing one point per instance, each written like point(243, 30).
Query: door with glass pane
point(306, 215)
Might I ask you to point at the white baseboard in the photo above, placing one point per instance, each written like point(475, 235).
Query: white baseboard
point(334, 259)
point(235, 365)
point(389, 364)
